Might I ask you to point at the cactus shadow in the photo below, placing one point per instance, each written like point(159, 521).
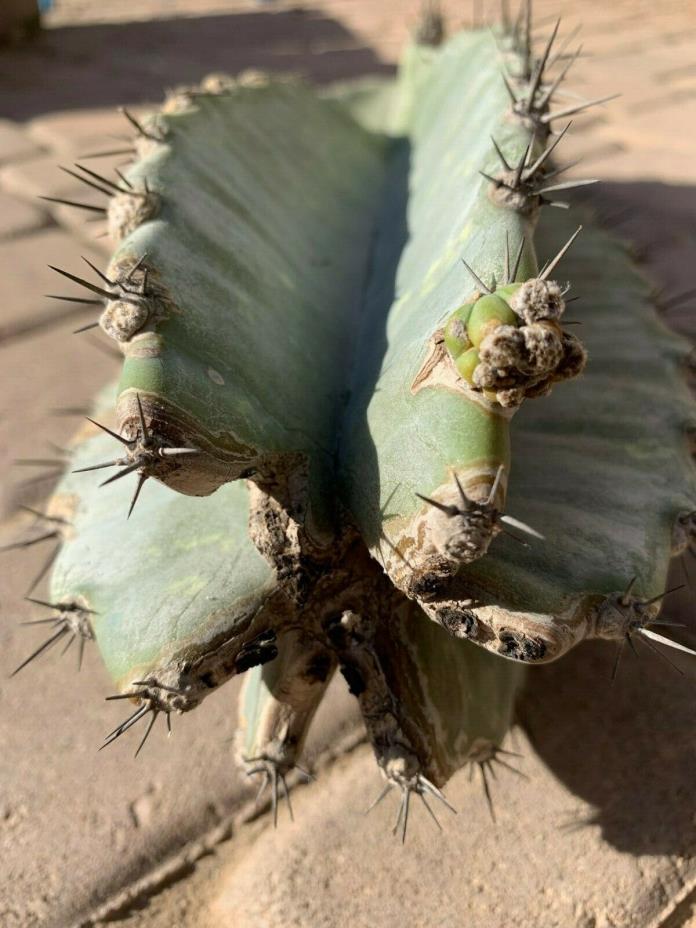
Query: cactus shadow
point(658, 220)
point(108, 64)
point(627, 749)
point(359, 474)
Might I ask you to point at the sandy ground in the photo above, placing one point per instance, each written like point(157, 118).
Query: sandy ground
point(604, 832)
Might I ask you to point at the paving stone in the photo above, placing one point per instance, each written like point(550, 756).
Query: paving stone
point(614, 160)
point(15, 143)
point(92, 232)
point(80, 132)
point(51, 370)
point(70, 12)
point(598, 836)
point(43, 177)
point(18, 217)
point(27, 278)
point(78, 824)
point(659, 123)
point(660, 222)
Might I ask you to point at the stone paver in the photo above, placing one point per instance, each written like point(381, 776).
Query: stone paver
point(601, 840)
point(603, 834)
point(77, 133)
point(597, 837)
point(77, 824)
point(44, 177)
point(19, 217)
point(86, 224)
point(15, 144)
point(132, 62)
point(25, 307)
point(71, 137)
point(50, 371)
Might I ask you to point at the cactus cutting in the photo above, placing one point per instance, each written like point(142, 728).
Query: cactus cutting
point(352, 430)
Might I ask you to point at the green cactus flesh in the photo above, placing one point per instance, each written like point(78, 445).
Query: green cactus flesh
point(290, 300)
point(240, 274)
point(250, 268)
point(602, 470)
point(170, 635)
point(180, 588)
point(445, 706)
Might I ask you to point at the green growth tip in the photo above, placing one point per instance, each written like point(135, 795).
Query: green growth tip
point(456, 335)
point(488, 313)
point(467, 363)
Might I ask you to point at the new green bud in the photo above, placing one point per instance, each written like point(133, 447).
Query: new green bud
point(506, 292)
point(488, 313)
point(456, 336)
point(466, 364)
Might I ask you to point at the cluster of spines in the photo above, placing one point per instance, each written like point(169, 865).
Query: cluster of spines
point(529, 184)
point(531, 91)
point(70, 621)
point(145, 453)
point(128, 305)
point(473, 524)
point(507, 342)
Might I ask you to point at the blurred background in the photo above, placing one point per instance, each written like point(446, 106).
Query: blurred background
point(604, 833)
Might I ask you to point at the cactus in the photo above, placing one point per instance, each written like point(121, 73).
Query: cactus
point(335, 297)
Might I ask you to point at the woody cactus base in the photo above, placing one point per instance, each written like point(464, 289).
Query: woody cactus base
point(330, 307)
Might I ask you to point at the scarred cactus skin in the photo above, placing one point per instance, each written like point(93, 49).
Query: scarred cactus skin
point(330, 307)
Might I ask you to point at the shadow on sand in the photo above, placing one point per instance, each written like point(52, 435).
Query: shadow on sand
point(109, 64)
point(629, 748)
